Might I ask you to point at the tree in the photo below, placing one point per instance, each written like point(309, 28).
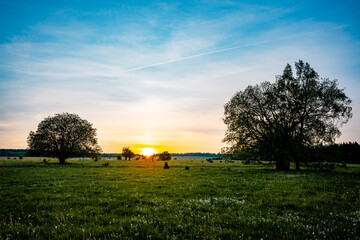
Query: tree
point(127, 153)
point(63, 136)
point(165, 156)
point(278, 120)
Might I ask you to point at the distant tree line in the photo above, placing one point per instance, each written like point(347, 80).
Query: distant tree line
point(109, 155)
point(12, 152)
point(196, 154)
point(344, 152)
point(348, 152)
point(190, 154)
point(25, 152)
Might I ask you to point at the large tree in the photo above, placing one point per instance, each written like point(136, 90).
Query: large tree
point(277, 121)
point(63, 136)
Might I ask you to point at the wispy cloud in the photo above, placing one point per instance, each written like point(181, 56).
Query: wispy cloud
point(221, 51)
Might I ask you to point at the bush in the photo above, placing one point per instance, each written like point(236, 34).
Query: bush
point(330, 166)
point(342, 165)
point(165, 156)
point(321, 165)
point(96, 158)
point(246, 161)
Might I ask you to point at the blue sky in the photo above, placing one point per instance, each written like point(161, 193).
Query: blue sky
point(157, 73)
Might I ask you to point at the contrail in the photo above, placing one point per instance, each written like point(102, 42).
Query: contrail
point(215, 51)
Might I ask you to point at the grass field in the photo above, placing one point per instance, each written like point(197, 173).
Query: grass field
point(141, 200)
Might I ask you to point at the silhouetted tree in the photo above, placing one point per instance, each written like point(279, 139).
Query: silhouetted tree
point(63, 136)
point(164, 156)
point(127, 153)
point(278, 120)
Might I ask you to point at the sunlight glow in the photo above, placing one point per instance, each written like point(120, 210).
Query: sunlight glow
point(148, 151)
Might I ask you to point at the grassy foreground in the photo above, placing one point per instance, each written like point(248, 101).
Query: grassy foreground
point(141, 200)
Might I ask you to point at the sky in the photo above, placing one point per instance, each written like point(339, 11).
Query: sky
point(158, 73)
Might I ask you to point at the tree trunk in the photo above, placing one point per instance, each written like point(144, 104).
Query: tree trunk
point(299, 155)
point(283, 162)
point(282, 165)
point(297, 164)
point(62, 160)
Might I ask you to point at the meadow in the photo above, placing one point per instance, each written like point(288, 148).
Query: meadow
point(141, 200)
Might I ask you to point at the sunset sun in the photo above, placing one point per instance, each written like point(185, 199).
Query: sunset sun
point(148, 151)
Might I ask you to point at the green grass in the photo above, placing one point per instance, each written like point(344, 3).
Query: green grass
point(141, 200)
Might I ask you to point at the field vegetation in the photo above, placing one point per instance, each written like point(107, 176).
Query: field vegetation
point(142, 200)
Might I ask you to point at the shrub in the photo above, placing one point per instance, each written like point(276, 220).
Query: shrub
point(342, 165)
point(330, 165)
point(321, 165)
point(96, 158)
point(165, 156)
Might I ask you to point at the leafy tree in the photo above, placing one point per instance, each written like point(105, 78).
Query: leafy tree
point(127, 153)
point(278, 120)
point(164, 156)
point(63, 136)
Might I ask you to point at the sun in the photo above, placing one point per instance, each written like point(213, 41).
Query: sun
point(148, 151)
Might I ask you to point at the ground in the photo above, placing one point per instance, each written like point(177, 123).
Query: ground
point(141, 200)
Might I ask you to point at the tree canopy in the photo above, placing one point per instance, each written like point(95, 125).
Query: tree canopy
point(164, 156)
point(63, 136)
point(276, 121)
point(127, 153)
